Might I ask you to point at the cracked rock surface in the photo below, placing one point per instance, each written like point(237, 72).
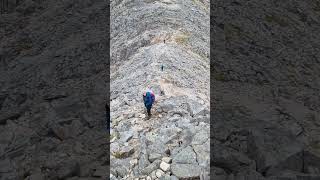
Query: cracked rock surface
point(174, 142)
point(53, 66)
point(265, 87)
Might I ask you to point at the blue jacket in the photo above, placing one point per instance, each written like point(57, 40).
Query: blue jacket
point(148, 99)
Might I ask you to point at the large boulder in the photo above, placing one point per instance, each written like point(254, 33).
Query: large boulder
point(230, 159)
point(186, 171)
point(273, 154)
point(185, 156)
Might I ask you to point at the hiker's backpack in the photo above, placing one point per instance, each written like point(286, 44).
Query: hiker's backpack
point(149, 98)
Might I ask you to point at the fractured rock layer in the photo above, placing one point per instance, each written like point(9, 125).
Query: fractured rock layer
point(265, 89)
point(53, 66)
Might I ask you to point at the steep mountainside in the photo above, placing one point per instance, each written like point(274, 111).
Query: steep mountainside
point(174, 143)
point(265, 80)
point(265, 89)
point(53, 66)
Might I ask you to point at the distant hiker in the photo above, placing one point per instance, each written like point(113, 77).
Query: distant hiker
point(162, 67)
point(148, 99)
point(161, 92)
point(164, 41)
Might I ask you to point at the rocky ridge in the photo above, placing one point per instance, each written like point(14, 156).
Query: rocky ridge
point(174, 143)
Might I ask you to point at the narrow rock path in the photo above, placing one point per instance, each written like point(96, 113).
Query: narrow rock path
point(174, 142)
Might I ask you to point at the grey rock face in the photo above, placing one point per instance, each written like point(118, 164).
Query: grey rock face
point(230, 159)
point(154, 156)
point(264, 90)
point(185, 170)
point(151, 167)
point(126, 136)
point(36, 176)
point(68, 170)
point(145, 36)
point(185, 156)
point(52, 75)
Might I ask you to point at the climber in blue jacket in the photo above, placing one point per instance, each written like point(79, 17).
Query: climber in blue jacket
point(148, 99)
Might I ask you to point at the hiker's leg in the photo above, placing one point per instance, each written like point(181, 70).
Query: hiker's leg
point(145, 106)
point(149, 110)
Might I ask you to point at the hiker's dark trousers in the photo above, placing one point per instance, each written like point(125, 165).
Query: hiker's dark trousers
point(149, 109)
